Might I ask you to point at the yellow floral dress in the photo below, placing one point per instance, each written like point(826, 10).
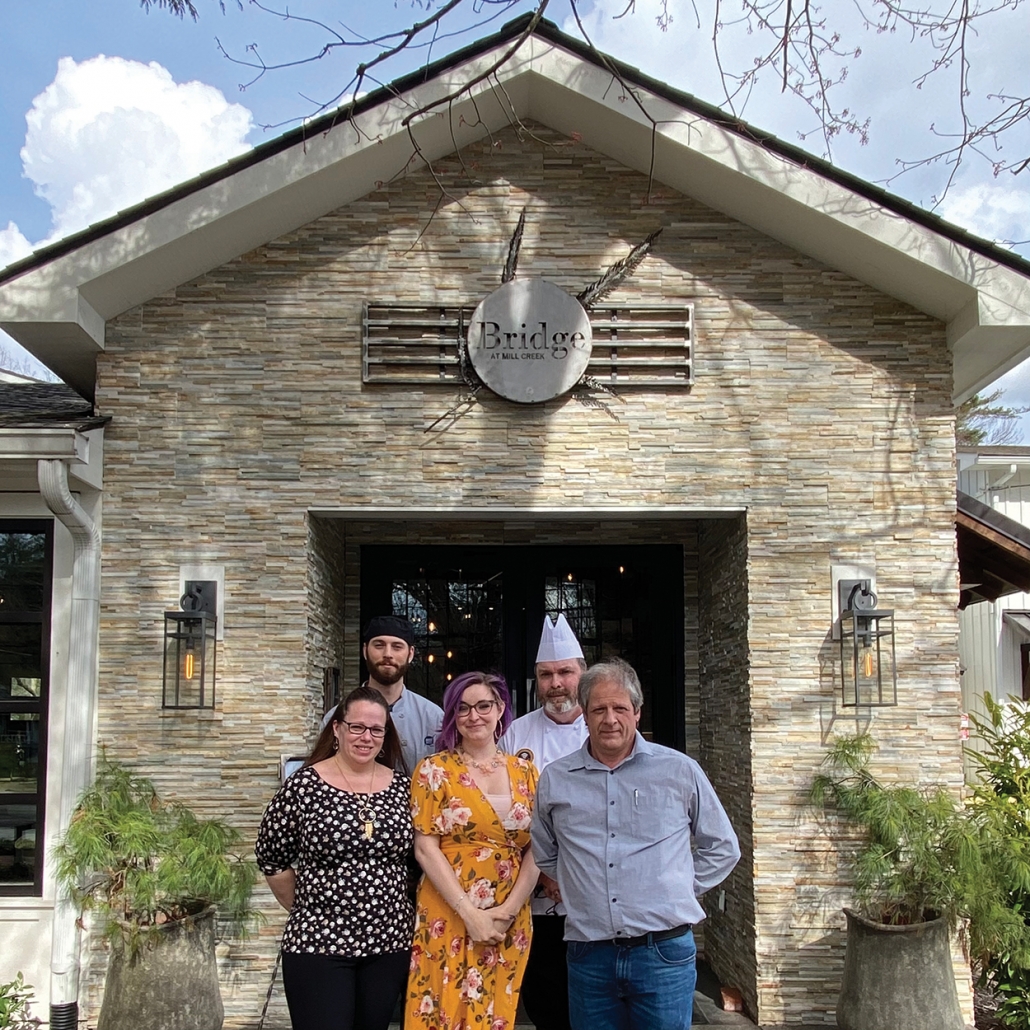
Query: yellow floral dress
point(456, 984)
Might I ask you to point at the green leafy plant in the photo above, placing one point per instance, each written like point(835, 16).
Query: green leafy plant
point(925, 855)
point(1003, 762)
point(15, 1002)
point(140, 863)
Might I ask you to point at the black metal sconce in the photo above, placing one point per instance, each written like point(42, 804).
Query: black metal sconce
point(869, 672)
point(190, 648)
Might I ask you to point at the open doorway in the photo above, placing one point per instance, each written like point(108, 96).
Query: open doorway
point(482, 607)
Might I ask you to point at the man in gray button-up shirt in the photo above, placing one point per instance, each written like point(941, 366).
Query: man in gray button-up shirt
point(613, 824)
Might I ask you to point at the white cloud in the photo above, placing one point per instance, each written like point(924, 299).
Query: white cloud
point(108, 132)
point(993, 210)
point(13, 245)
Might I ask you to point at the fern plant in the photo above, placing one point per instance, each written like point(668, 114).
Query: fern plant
point(139, 863)
point(925, 855)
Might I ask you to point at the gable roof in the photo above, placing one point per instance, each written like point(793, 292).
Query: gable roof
point(56, 301)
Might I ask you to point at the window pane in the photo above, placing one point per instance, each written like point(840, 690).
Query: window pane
point(457, 627)
point(22, 571)
point(20, 661)
point(19, 752)
point(17, 844)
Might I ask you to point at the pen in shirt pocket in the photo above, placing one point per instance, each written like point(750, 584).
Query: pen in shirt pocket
point(636, 794)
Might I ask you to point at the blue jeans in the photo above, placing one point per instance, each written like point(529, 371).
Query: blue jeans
point(650, 987)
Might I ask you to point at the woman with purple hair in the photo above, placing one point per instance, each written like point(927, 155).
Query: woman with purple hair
point(471, 804)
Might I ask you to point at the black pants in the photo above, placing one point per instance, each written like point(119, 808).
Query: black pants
point(545, 988)
point(330, 992)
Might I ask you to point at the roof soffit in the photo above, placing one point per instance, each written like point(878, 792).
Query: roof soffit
point(985, 305)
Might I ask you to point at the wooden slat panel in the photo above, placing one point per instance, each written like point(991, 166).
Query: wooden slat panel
point(418, 344)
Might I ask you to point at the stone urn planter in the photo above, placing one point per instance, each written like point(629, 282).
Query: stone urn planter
point(152, 875)
point(898, 977)
point(169, 982)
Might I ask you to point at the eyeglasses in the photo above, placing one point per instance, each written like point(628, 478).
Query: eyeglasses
point(483, 707)
point(356, 729)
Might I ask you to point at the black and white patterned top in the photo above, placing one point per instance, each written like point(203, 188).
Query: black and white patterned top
point(350, 897)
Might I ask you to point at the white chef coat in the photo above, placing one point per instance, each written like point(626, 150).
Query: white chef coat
point(541, 740)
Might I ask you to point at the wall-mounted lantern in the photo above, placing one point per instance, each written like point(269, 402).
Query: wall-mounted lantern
point(869, 674)
point(189, 661)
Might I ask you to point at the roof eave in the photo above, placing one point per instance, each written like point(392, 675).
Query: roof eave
point(57, 305)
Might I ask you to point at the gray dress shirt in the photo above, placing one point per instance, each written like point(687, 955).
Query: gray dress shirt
point(418, 721)
point(618, 841)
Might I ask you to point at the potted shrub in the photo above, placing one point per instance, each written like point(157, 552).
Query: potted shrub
point(925, 863)
point(153, 875)
point(1003, 762)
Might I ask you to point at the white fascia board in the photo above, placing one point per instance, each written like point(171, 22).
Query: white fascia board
point(32, 444)
point(968, 462)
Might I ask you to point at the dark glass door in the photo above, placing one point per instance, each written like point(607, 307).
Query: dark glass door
point(483, 607)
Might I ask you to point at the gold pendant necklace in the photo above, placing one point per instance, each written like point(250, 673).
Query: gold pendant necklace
point(366, 813)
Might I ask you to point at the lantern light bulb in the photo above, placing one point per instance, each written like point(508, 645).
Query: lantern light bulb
point(188, 665)
point(867, 663)
point(431, 659)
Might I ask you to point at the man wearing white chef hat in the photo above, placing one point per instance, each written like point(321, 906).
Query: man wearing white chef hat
point(552, 731)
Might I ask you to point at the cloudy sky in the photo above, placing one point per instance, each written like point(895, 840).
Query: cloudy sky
point(103, 104)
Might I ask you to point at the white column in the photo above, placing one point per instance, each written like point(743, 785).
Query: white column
point(75, 763)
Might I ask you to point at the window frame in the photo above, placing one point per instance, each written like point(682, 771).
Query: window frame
point(43, 618)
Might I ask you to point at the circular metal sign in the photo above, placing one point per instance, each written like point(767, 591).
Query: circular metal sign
point(530, 341)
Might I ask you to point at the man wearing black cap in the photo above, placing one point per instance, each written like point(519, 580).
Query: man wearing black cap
point(387, 646)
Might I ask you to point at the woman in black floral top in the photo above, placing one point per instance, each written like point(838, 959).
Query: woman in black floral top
point(333, 846)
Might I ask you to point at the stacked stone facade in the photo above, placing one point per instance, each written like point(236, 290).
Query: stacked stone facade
point(820, 408)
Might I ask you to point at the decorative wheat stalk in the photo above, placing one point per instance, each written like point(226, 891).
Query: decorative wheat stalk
point(468, 400)
point(513, 250)
point(588, 385)
point(616, 273)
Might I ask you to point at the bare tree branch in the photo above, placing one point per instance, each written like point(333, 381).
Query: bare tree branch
point(808, 47)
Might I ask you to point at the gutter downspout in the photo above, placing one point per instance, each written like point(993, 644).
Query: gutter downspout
point(1002, 481)
point(79, 701)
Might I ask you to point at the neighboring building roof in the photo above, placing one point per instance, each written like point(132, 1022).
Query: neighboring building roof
point(1017, 452)
point(7, 376)
point(56, 302)
point(38, 405)
point(993, 552)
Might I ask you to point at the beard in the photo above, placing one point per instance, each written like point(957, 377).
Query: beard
point(387, 673)
point(560, 705)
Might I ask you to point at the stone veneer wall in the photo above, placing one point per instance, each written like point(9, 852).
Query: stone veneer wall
point(820, 406)
point(327, 604)
point(725, 730)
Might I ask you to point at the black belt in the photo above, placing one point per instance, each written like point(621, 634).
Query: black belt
point(650, 938)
